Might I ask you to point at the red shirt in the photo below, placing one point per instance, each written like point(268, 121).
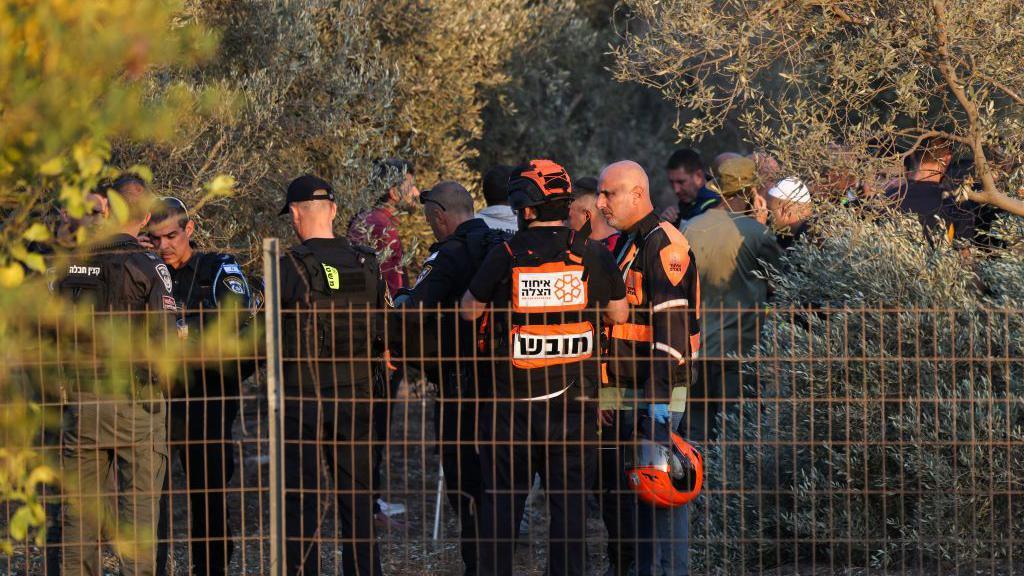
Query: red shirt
point(612, 241)
point(378, 229)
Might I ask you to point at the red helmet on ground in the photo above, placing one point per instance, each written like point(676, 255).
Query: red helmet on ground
point(538, 182)
point(666, 475)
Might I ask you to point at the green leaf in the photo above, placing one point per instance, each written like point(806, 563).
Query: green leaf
point(37, 232)
point(118, 206)
point(42, 475)
point(89, 162)
point(11, 275)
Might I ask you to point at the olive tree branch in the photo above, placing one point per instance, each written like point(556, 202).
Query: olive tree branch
point(989, 194)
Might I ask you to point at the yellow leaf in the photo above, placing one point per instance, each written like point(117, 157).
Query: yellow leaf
point(52, 167)
point(89, 162)
point(20, 523)
point(12, 275)
point(222, 185)
point(142, 172)
point(118, 206)
point(42, 475)
point(37, 232)
point(33, 260)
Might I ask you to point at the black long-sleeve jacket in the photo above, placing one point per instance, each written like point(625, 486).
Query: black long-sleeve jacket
point(649, 356)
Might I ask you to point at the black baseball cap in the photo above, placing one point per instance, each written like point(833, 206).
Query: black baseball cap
point(307, 187)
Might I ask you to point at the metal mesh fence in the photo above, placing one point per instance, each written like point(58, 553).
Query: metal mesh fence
point(834, 441)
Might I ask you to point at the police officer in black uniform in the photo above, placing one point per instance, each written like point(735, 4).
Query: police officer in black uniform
point(333, 336)
point(462, 243)
point(203, 407)
point(102, 432)
point(547, 284)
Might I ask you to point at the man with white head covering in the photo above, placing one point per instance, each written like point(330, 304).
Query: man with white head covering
point(789, 204)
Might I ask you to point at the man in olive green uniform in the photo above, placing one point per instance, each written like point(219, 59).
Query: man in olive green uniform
point(109, 439)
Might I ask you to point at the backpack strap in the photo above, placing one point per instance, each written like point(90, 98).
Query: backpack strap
point(577, 247)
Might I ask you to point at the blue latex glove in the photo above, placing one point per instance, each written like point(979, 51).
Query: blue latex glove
point(659, 413)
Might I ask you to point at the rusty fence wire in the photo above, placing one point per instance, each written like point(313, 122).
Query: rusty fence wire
point(835, 440)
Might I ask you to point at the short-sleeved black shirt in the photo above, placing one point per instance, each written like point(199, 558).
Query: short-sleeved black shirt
point(492, 284)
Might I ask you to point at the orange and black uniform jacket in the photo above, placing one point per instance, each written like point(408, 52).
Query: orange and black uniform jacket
point(513, 374)
point(649, 356)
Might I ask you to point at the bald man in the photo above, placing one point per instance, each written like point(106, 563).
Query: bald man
point(327, 287)
point(462, 243)
point(650, 356)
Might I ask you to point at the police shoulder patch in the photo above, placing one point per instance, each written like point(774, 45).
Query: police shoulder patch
point(165, 276)
point(423, 274)
point(231, 269)
point(235, 284)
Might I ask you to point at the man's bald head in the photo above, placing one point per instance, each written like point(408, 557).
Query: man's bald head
point(446, 206)
point(627, 171)
point(452, 196)
point(624, 194)
point(717, 162)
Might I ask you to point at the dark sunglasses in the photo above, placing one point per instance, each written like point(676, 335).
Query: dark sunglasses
point(425, 197)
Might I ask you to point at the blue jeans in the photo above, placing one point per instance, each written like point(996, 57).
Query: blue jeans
point(663, 535)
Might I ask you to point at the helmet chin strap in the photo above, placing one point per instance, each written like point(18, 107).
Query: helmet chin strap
point(586, 229)
point(521, 219)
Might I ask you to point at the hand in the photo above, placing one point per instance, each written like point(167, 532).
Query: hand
point(670, 214)
point(660, 414)
point(606, 417)
point(146, 242)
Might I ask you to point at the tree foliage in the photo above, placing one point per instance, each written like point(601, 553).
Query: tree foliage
point(561, 101)
point(314, 95)
point(874, 78)
point(884, 425)
point(70, 84)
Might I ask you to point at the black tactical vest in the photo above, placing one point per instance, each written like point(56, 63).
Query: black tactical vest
point(99, 280)
point(337, 319)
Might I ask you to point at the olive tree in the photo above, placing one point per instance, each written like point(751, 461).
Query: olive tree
point(72, 82)
point(872, 78)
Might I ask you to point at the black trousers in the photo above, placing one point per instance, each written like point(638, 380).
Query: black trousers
point(338, 433)
point(200, 436)
point(618, 501)
point(463, 477)
point(556, 438)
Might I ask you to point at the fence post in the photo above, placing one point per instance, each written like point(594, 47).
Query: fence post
point(275, 403)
